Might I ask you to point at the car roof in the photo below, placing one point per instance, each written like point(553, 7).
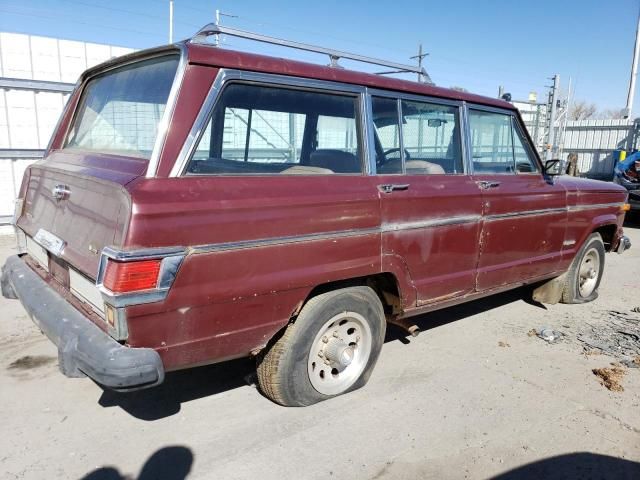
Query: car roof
point(226, 58)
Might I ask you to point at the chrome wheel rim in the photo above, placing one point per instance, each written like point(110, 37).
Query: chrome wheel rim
point(339, 353)
point(588, 272)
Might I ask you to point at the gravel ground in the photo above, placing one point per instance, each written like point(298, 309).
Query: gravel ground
point(474, 396)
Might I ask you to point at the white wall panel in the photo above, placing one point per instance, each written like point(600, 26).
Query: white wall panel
point(45, 59)
point(4, 125)
point(23, 128)
point(73, 60)
point(97, 53)
point(16, 61)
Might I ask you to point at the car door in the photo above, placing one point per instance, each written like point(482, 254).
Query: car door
point(524, 215)
point(430, 206)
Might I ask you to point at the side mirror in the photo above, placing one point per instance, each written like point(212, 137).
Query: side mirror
point(552, 167)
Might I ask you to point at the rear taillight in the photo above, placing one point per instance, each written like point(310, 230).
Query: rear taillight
point(123, 277)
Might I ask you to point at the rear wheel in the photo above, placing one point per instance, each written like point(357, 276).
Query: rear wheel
point(585, 273)
point(329, 350)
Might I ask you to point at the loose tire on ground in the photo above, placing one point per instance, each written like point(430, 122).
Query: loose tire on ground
point(333, 344)
point(585, 273)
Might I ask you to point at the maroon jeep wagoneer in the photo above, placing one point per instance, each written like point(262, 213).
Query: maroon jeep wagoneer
point(198, 204)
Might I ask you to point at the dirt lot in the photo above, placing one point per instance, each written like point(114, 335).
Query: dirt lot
point(476, 395)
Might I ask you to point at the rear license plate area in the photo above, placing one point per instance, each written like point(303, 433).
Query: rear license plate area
point(59, 271)
point(38, 254)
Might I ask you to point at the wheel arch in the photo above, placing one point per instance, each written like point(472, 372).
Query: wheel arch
point(384, 284)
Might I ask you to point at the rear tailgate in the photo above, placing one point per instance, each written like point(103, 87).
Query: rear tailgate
point(92, 213)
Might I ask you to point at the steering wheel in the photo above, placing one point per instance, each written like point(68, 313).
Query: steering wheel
point(394, 150)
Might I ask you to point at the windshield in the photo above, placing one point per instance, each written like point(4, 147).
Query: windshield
point(121, 109)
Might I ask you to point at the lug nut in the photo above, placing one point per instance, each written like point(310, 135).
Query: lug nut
point(325, 339)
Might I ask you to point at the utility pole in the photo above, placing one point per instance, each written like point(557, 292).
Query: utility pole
point(634, 72)
point(553, 99)
point(218, 15)
point(419, 57)
point(170, 21)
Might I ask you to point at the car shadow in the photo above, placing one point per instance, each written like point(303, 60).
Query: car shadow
point(438, 318)
point(181, 387)
point(191, 384)
point(575, 465)
point(168, 463)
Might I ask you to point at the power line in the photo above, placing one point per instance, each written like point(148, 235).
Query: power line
point(91, 24)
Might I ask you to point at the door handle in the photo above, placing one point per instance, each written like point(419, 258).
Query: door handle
point(392, 187)
point(486, 185)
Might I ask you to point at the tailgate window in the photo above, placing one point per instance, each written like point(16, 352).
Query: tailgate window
point(120, 110)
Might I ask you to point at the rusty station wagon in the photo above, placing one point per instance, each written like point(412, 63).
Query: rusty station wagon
point(198, 204)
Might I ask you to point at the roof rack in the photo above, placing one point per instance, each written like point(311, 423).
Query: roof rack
point(334, 55)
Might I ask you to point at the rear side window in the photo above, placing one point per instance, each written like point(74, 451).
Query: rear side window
point(497, 145)
point(120, 110)
point(270, 130)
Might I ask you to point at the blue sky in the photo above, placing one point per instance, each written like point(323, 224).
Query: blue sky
point(474, 44)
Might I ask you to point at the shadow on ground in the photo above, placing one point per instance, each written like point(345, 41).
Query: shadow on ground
point(575, 465)
point(187, 385)
point(168, 463)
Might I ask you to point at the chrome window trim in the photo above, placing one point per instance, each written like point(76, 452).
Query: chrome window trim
point(167, 115)
point(465, 132)
point(130, 59)
point(225, 76)
point(370, 129)
point(531, 152)
point(413, 97)
point(403, 160)
point(172, 258)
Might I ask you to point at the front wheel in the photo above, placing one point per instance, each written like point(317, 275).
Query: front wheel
point(329, 350)
point(585, 273)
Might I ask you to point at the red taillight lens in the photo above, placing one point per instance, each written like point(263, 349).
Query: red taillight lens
point(121, 277)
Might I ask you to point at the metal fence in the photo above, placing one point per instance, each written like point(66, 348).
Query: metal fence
point(595, 143)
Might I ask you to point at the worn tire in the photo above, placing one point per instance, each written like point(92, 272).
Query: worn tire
point(282, 369)
point(571, 292)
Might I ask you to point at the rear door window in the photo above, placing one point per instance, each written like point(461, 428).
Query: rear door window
point(120, 110)
point(262, 130)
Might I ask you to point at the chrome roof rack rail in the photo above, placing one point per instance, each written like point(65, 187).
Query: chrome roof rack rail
point(334, 55)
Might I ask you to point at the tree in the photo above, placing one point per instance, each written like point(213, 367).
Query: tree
point(613, 113)
point(581, 110)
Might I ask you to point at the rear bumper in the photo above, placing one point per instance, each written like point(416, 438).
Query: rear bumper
point(83, 349)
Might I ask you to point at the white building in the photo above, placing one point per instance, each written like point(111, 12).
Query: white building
point(36, 75)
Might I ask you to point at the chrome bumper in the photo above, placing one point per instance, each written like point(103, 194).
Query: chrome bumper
point(624, 244)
